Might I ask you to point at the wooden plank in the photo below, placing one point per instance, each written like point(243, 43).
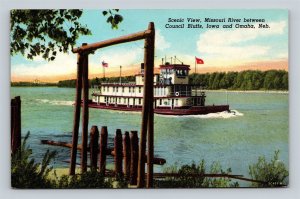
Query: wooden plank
point(76, 115)
point(106, 151)
point(209, 175)
point(157, 161)
point(150, 42)
point(12, 123)
point(114, 41)
point(134, 146)
point(145, 112)
point(62, 144)
point(85, 112)
point(15, 124)
point(94, 138)
point(126, 154)
point(118, 154)
point(103, 149)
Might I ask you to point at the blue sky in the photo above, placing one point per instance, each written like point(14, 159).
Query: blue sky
point(221, 49)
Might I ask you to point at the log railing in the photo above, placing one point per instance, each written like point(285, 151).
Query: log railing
point(125, 152)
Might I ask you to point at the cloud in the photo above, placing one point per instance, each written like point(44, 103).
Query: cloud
point(126, 57)
point(66, 64)
point(62, 65)
point(160, 41)
point(237, 44)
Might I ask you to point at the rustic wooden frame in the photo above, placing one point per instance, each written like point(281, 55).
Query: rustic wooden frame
point(147, 130)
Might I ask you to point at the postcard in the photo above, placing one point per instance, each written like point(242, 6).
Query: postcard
point(136, 98)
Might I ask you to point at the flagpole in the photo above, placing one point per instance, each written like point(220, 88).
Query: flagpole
point(120, 74)
point(103, 72)
point(195, 65)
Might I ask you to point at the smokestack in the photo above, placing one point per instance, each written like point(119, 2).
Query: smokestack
point(142, 67)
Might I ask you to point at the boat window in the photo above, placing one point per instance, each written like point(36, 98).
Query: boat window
point(140, 100)
point(140, 89)
point(117, 89)
point(129, 89)
point(113, 89)
point(160, 102)
point(119, 100)
point(123, 89)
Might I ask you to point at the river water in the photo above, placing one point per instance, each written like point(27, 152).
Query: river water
point(258, 126)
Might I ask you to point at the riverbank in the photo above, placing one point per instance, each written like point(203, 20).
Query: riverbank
point(250, 91)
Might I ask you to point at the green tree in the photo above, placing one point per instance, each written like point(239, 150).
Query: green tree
point(257, 80)
point(223, 81)
point(239, 80)
point(44, 32)
point(285, 81)
point(211, 80)
point(269, 79)
point(273, 173)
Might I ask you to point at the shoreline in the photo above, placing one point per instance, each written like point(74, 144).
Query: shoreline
point(250, 91)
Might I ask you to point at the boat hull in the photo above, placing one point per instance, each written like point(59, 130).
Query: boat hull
point(193, 110)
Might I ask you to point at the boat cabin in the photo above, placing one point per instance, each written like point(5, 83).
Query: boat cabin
point(171, 90)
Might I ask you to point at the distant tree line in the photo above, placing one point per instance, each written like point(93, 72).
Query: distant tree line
point(32, 84)
point(244, 80)
point(96, 81)
point(69, 83)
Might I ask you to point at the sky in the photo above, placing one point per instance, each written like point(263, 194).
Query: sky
point(222, 49)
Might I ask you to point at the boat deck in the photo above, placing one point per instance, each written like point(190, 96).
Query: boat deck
point(193, 110)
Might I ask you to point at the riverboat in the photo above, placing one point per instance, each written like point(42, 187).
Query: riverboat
point(173, 95)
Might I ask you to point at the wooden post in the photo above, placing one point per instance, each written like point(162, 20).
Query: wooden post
point(126, 152)
point(76, 115)
point(94, 146)
point(12, 124)
point(148, 61)
point(85, 112)
point(134, 146)
point(118, 153)
point(15, 124)
point(103, 148)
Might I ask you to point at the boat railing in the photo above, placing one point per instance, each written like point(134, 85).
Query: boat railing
point(97, 92)
point(118, 84)
point(186, 93)
point(180, 94)
point(198, 93)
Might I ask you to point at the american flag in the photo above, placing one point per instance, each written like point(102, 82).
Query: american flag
point(104, 64)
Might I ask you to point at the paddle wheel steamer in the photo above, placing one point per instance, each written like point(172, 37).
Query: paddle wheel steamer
point(173, 95)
